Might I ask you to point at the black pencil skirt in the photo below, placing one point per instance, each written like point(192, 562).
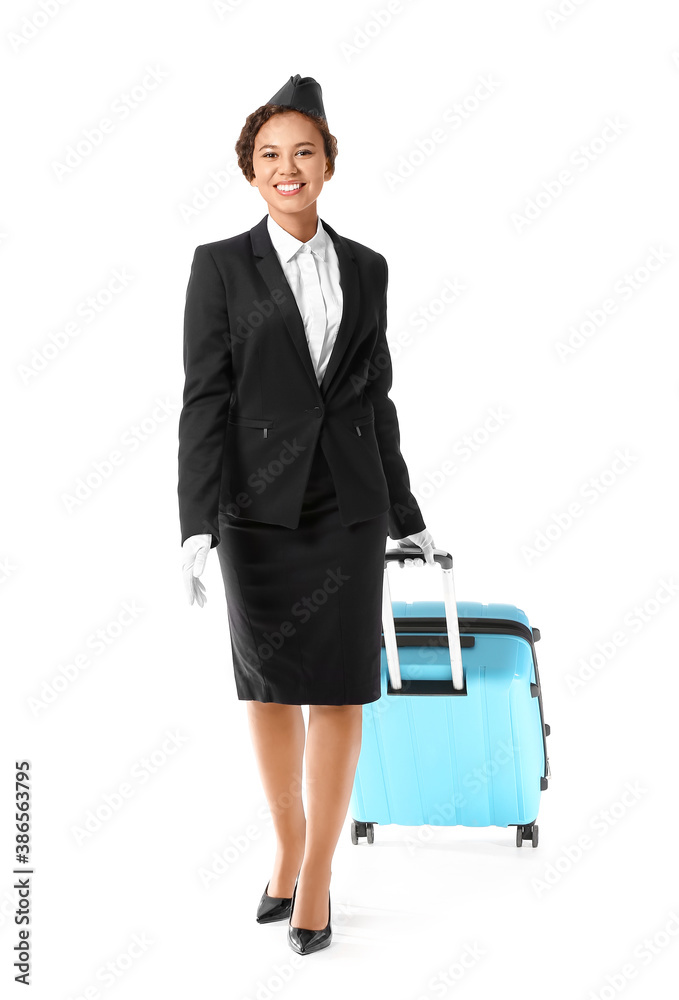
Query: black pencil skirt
point(305, 604)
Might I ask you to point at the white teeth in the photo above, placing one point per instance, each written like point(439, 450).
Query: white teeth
point(288, 187)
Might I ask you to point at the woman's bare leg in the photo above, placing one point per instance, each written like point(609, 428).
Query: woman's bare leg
point(278, 735)
point(332, 752)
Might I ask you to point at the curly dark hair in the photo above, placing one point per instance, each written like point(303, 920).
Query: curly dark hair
point(246, 140)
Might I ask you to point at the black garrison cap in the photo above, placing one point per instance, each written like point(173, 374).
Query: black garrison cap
point(301, 93)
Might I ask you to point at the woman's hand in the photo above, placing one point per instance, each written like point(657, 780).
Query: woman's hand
point(423, 540)
point(194, 554)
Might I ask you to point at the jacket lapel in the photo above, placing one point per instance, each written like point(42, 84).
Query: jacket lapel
point(269, 267)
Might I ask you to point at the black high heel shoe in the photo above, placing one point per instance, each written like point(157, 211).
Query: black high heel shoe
point(305, 941)
point(273, 907)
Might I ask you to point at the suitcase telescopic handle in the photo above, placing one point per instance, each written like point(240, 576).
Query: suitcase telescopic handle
point(445, 561)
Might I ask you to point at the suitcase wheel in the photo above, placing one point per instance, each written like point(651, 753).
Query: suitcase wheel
point(528, 832)
point(359, 829)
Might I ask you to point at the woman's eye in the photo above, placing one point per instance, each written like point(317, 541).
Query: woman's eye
point(270, 153)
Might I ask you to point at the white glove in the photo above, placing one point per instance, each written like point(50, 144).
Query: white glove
point(423, 540)
point(194, 554)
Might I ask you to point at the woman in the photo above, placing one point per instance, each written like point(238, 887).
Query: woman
point(290, 465)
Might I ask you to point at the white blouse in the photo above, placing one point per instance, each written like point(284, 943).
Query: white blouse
point(312, 271)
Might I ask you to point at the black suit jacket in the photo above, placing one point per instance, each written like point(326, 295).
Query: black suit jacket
point(253, 410)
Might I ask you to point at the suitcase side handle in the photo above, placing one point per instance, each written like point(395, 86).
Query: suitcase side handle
point(445, 561)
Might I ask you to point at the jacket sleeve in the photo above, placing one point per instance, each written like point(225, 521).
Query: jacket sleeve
point(405, 517)
point(207, 393)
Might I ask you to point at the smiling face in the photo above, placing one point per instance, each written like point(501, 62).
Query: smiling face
point(290, 166)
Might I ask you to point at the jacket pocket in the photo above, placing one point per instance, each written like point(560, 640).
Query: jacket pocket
point(361, 421)
point(259, 422)
point(236, 418)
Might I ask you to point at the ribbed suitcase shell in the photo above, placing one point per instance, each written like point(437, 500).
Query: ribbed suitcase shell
point(473, 759)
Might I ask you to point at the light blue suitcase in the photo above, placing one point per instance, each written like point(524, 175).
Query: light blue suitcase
point(458, 736)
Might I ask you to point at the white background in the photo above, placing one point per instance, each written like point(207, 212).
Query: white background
point(401, 917)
